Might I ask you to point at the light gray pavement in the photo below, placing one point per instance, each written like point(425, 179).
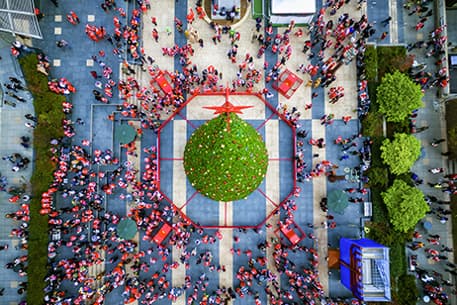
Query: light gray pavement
point(11, 129)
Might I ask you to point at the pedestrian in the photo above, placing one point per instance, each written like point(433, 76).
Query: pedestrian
point(420, 129)
point(436, 142)
point(386, 21)
point(61, 43)
point(155, 34)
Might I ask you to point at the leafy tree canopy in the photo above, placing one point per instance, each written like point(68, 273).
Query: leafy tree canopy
point(406, 205)
point(398, 96)
point(401, 153)
point(225, 163)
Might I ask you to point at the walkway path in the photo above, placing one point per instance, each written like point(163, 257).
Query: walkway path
point(11, 129)
point(431, 157)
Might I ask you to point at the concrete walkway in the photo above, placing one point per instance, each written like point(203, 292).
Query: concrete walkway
point(11, 129)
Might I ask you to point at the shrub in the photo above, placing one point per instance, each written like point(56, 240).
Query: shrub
point(378, 177)
point(371, 63)
point(48, 110)
point(398, 127)
point(452, 142)
point(390, 59)
point(372, 124)
point(376, 160)
point(380, 213)
point(397, 258)
point(407, 292)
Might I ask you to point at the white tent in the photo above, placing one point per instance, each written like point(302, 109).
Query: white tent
point(293, 7)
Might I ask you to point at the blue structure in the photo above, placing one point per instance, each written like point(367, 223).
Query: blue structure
point(365, 270)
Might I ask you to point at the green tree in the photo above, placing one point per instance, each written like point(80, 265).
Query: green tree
point(398, 96)
point(405, 204)
point(226, 163)
point(401, 153)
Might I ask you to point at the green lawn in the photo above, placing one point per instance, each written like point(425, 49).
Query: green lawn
point(257, 8)
point(48, 110)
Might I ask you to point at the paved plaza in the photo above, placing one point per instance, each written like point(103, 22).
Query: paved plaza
point(215, 246)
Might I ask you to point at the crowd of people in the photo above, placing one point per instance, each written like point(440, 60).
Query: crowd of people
point(84, 229)
point(87, 228)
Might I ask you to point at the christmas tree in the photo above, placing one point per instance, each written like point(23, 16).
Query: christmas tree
point(226, 159)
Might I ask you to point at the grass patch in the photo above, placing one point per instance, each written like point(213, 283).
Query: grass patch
point(371, 63)
point(258, 7)
point(407, 292)
point(48, 110)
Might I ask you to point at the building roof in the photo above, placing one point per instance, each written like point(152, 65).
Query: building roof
point(18, 17)
point(365, 269)
point(293, 7)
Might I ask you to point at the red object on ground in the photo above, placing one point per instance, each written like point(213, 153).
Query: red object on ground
point(291, 231)
point(290, 234)
point(14, 198)
point(162, 234)
point(163, 82)
point(287, 83)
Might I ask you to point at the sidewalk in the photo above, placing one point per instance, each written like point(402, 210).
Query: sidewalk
point(11, 129)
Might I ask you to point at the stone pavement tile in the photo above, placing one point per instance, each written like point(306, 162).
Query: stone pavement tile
point(376, 12)
point(151, 47)
point(303, 94)
point(179, 177)
point(11, 128)
point(346, 78)
point(272, 185)
point(226, 260)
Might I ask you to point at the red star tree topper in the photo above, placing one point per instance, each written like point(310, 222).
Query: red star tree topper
point(227, 107)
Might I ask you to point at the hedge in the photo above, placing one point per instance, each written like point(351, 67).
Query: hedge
point(48, 110)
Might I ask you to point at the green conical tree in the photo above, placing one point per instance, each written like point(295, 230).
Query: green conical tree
point(225, 160)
